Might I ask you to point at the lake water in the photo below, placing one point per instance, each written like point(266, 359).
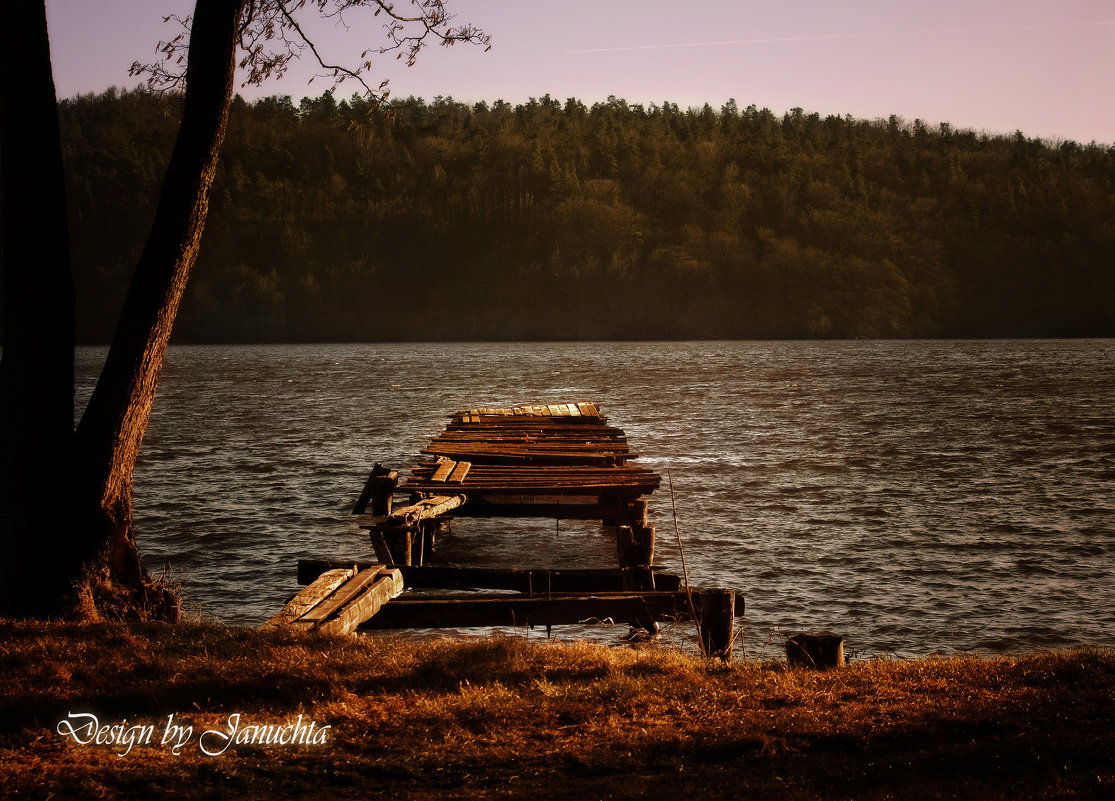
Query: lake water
point(915, 497)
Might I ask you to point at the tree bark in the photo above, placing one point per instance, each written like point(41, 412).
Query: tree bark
point(112, 428)
point(37, 368)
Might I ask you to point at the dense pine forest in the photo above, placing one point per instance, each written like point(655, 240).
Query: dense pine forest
point(334, 220)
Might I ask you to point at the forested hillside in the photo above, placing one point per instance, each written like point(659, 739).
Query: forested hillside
point(437, 220)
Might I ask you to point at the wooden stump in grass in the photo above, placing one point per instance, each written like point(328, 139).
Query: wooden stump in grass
point(820, 651)
point(716, 615)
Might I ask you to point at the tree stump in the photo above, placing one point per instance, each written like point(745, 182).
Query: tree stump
point(716, 616)
point(820, 651)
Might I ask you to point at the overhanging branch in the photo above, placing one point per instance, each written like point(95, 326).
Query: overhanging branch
point(271, 36)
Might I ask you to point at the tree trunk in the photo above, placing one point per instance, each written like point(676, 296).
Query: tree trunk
point(37, 369)
point(112, 428)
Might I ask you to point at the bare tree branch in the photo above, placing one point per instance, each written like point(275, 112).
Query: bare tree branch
point(272, 36)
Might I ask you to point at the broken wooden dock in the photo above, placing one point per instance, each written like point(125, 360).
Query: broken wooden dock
point(560, 461)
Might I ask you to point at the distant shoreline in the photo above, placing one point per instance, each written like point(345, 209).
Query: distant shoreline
point(514, 341)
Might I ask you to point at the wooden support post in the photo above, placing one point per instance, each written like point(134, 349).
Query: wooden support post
point(639, 577)
point(635, 545)
point(644, 544)
point(625, 540)
point(427, 532)
point(393, 544)
point(379, 542)
point(383, 489)
point(378, 490)
point(638, 512)
point(820, 651)
point(401, 542)
point(716, 614)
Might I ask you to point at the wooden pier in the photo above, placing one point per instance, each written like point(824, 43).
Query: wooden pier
point(559, 461)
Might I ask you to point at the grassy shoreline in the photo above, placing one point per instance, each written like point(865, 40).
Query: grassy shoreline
point(504, 718)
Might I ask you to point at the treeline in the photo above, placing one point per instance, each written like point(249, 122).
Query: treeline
point(334, 220)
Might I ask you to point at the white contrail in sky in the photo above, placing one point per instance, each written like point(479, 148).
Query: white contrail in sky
point(820, 37)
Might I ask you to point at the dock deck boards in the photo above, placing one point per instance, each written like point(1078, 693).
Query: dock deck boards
point(552, 449)
point(559, 460)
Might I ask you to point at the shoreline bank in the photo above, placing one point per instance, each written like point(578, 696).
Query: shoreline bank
point(508, 718)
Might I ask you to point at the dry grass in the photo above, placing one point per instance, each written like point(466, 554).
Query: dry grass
point(510, 719)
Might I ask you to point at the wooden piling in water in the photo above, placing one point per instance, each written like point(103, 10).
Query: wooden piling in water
point(635, 545)
point(378, 491)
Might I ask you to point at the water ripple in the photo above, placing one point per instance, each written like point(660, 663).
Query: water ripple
point(918, 497)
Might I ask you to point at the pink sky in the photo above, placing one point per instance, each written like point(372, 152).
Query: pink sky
point(1045, 67)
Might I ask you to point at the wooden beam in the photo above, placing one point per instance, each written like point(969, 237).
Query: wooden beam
point(443, 470)
point(639, 608)
point(320, 588)
point(425, 509)
point(378, 489)
point(495, 507)
point(388, 584)
point(339, 598)
point(459, 472)
point(532, 581)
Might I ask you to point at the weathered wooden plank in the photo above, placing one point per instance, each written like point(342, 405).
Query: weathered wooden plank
point(528, 580)
point(542, 485)
point(495, 507)
point(564, 474)
point(530, 440)
point(459, 472)
point(320, 588)
point(425, 509)
point(715, 610)
point(338, 598)
point(387, 585)
point(310, 570)
point(443, 470)
point(529, 455)
point(639, 608)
